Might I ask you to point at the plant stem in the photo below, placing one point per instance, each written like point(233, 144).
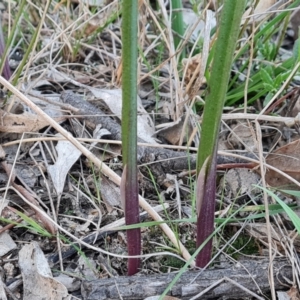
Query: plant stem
point(177, 25)
point(129, 130)
point(225, 45)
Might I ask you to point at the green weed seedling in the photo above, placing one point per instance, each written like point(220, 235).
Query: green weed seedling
point(29, 224)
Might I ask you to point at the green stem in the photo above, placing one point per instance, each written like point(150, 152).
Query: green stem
point(129, 129)
point(218, 83)
point(178, 25)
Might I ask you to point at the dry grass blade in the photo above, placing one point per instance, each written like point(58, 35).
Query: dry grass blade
point(266, 202)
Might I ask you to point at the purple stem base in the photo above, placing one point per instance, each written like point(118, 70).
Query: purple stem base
point(206, 218)
point(132, 217)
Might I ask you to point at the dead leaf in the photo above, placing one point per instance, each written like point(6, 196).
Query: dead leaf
point(240, 182)
point(113, 99)
point(72, 284)
point(2, 290)
point(27, 174)
point(259, 12)
point(287, 160)
point(67, 155)
point(6, 244)
point(241, 137)
point(105, 151)
point(26, 122)
point(190, 18)
point(166, 107)
point(50, 109)
point(38, 282)
point(110, 193)
point(293, 293)
point(283, 295)
point(173, 131)
point(87, 268)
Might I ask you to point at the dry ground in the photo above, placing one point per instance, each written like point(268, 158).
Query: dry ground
point(66, 204)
